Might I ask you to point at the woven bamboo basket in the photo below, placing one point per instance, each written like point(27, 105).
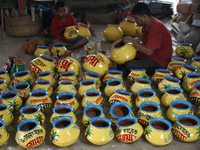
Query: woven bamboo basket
point(22, 26)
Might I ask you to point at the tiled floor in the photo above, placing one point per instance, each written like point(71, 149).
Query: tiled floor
point(14, 46)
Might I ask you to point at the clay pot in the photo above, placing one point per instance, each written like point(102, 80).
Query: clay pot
point(113, 32)
point(40, 42)
point(31, 48)
point(128, 27)
point(26, 45)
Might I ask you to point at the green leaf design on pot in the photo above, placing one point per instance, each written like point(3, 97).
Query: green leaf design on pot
point(13, 105)
point(166, 86)
point(97, 82)
point(88, 132)
point(28, 79)
point(53, 69)
point(143, 75)
point(6, 131)
point(53, 136)
point(11, 114)
point(148, 131)
point(36, 63)
point(87, 122)
point(57, 51)
point(6, 87)
point(184, 51)
point(198, 132)
point(58, 90)
point(161, 114)
point(38, 118)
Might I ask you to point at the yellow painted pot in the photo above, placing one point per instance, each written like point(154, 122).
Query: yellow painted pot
point(4, 133)
point(159, 74)
point(184, 70)
point(12, 99)
point(147, 111)
point(98, 63)
point(67, 98)
point(113, 32)
point(46, 75)
point(62, 110)
point(168, 81)
point(139, 30)
point(172, 94)
point(42, 63)
point(121, 96)
point(93, 75)
point(30, 133)
point(196, 63)
point(139, 84)
point(195, 94)
point(122, 52)
point(66, 86)
point(92, 97)
point(184, 50)
point(110, 74)
point(87, 84)
point(146, 95)
point(118, 110)
point(70, 32)
point(3, 86)
point(23, 76)
point(178, 108)
point(6, 115)
point(128, 27)
point(42, 49)
point(175, 63)
point(68, 76)
point(43, 85)
point(112, 85)
point(136, 73)
point(58, 49)
point(64, 132)
point(40, 98)
point(128, 129)
point(186, 128)
point(189, 81)
point(84, 30)
point(68, 64)
point(158, 132)
point(31, 112)
point(90, 112)
point(4, 76)
point(99, 131)
point(23, 89)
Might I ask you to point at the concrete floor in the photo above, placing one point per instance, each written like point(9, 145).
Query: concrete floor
point(14, 46)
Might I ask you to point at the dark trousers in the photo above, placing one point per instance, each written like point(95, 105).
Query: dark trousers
point(139, 63)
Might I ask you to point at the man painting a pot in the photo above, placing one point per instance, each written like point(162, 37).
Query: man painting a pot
point(59, 30)
point(155, 51)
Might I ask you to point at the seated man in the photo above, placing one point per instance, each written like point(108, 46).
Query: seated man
point(155, 51)
point(62, 20)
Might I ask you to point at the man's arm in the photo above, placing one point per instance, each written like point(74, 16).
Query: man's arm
point(141, 47)
point(55, 32)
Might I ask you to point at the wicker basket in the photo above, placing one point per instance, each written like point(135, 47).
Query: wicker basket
point(22, 26)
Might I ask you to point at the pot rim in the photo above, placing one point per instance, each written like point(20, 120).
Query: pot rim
point(138, 70)
point(91, 80)
point(53, 60)
point(58, 43)
point(27, 121)
point(62, 82)
point(162, 120)
point(35, 91)
point(189, 116)
point(178, 59)
point(24, 71)
point(65, 93)
point(181, 101)
point(93, 105)
point(43, 46)
point(195, 59)
point(117, 42)
point(86, 73)
point(127, 117)
point(150, 102)
point(195, 86)
point(186, 65)
point(136, 80)
point(2, 72)
point(4, 105)
point(173, 78)
point(100, 118)
point(19, 83)
point(3, 81)
point(193, 73)
point(113, 79)
point(185, 44)
point(164, 70)
point(71, 72)
point(62, 118)
point(120, 103)
point(174, 87)
point(123, 91)
point(146, 89)
point(46, 82)
point(109, 72)
point(93, 91)
point(43, 72)
point(3, 122)
point(10, 91)
point(63, 106)
point(28, 106)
